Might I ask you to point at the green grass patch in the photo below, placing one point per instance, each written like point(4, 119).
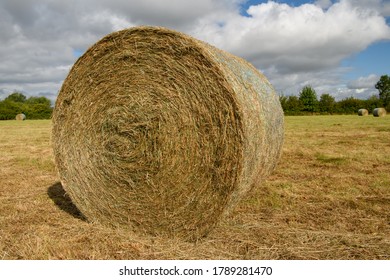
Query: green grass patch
point(330, 159)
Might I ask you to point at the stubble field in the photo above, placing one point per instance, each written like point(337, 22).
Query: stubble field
point(329, 198)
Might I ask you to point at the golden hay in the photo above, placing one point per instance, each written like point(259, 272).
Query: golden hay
point(158, 132)
point(379, 112)
point(20, 117)
point(363, 112)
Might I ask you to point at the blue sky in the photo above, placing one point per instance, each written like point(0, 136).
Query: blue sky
point(375, 59)
point(341, 47)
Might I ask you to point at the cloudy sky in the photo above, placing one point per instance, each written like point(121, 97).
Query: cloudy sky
point(338, 47)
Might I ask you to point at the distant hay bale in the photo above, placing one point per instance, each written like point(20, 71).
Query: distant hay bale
point(379, 112)
point(20, 117)
point(363, 112)
point(158, 132)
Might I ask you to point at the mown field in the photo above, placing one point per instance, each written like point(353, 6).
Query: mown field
point(329, 198)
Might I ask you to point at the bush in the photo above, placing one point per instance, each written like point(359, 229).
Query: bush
point(33, 107)
point(307, 104)
point(349, 105)
point(327, 103)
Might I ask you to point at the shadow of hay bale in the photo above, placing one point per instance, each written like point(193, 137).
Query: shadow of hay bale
point(57, 193)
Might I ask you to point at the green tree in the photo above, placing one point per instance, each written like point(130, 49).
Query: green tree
point(294, 105)
point(9, 109)
point(308, 98)
point(383, 86)
point(38, 100)
point(16, 97)
point(291, 105)
point(38, 111)
point(283, 102)
point(33, 107)
point(372, 102)
point(327, 103)
point(350, 105)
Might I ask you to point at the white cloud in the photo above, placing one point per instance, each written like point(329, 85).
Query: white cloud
point(298, 45)
point(293, 46)
point(297, 39)
point(367, 82)
point(380, 6)
point(385, 11)
point(324, 4)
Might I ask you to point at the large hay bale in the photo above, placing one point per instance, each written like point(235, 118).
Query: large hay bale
point(379, 112)
point(20, 117)
point(161, 133)
point(363, 112)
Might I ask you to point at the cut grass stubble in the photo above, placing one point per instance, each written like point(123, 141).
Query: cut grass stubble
point(329, 198)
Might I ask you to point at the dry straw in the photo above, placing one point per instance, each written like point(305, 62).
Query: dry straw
point(363, 112)
point(158, 132)
point(379, 112)
point(20, 117)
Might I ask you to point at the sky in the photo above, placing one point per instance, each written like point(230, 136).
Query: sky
point(338, 47)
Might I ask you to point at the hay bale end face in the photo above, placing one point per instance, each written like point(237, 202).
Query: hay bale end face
point(363, 112)
point(20, 117)
point(379, 112)
point(158, 132)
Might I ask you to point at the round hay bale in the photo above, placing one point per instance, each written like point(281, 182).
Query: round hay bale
point(20, 117)
point(158, 132)
point(363, 112)
point(379, 112)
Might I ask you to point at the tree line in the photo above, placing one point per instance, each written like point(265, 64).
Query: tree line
point(33, 107)
point(308, 103)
